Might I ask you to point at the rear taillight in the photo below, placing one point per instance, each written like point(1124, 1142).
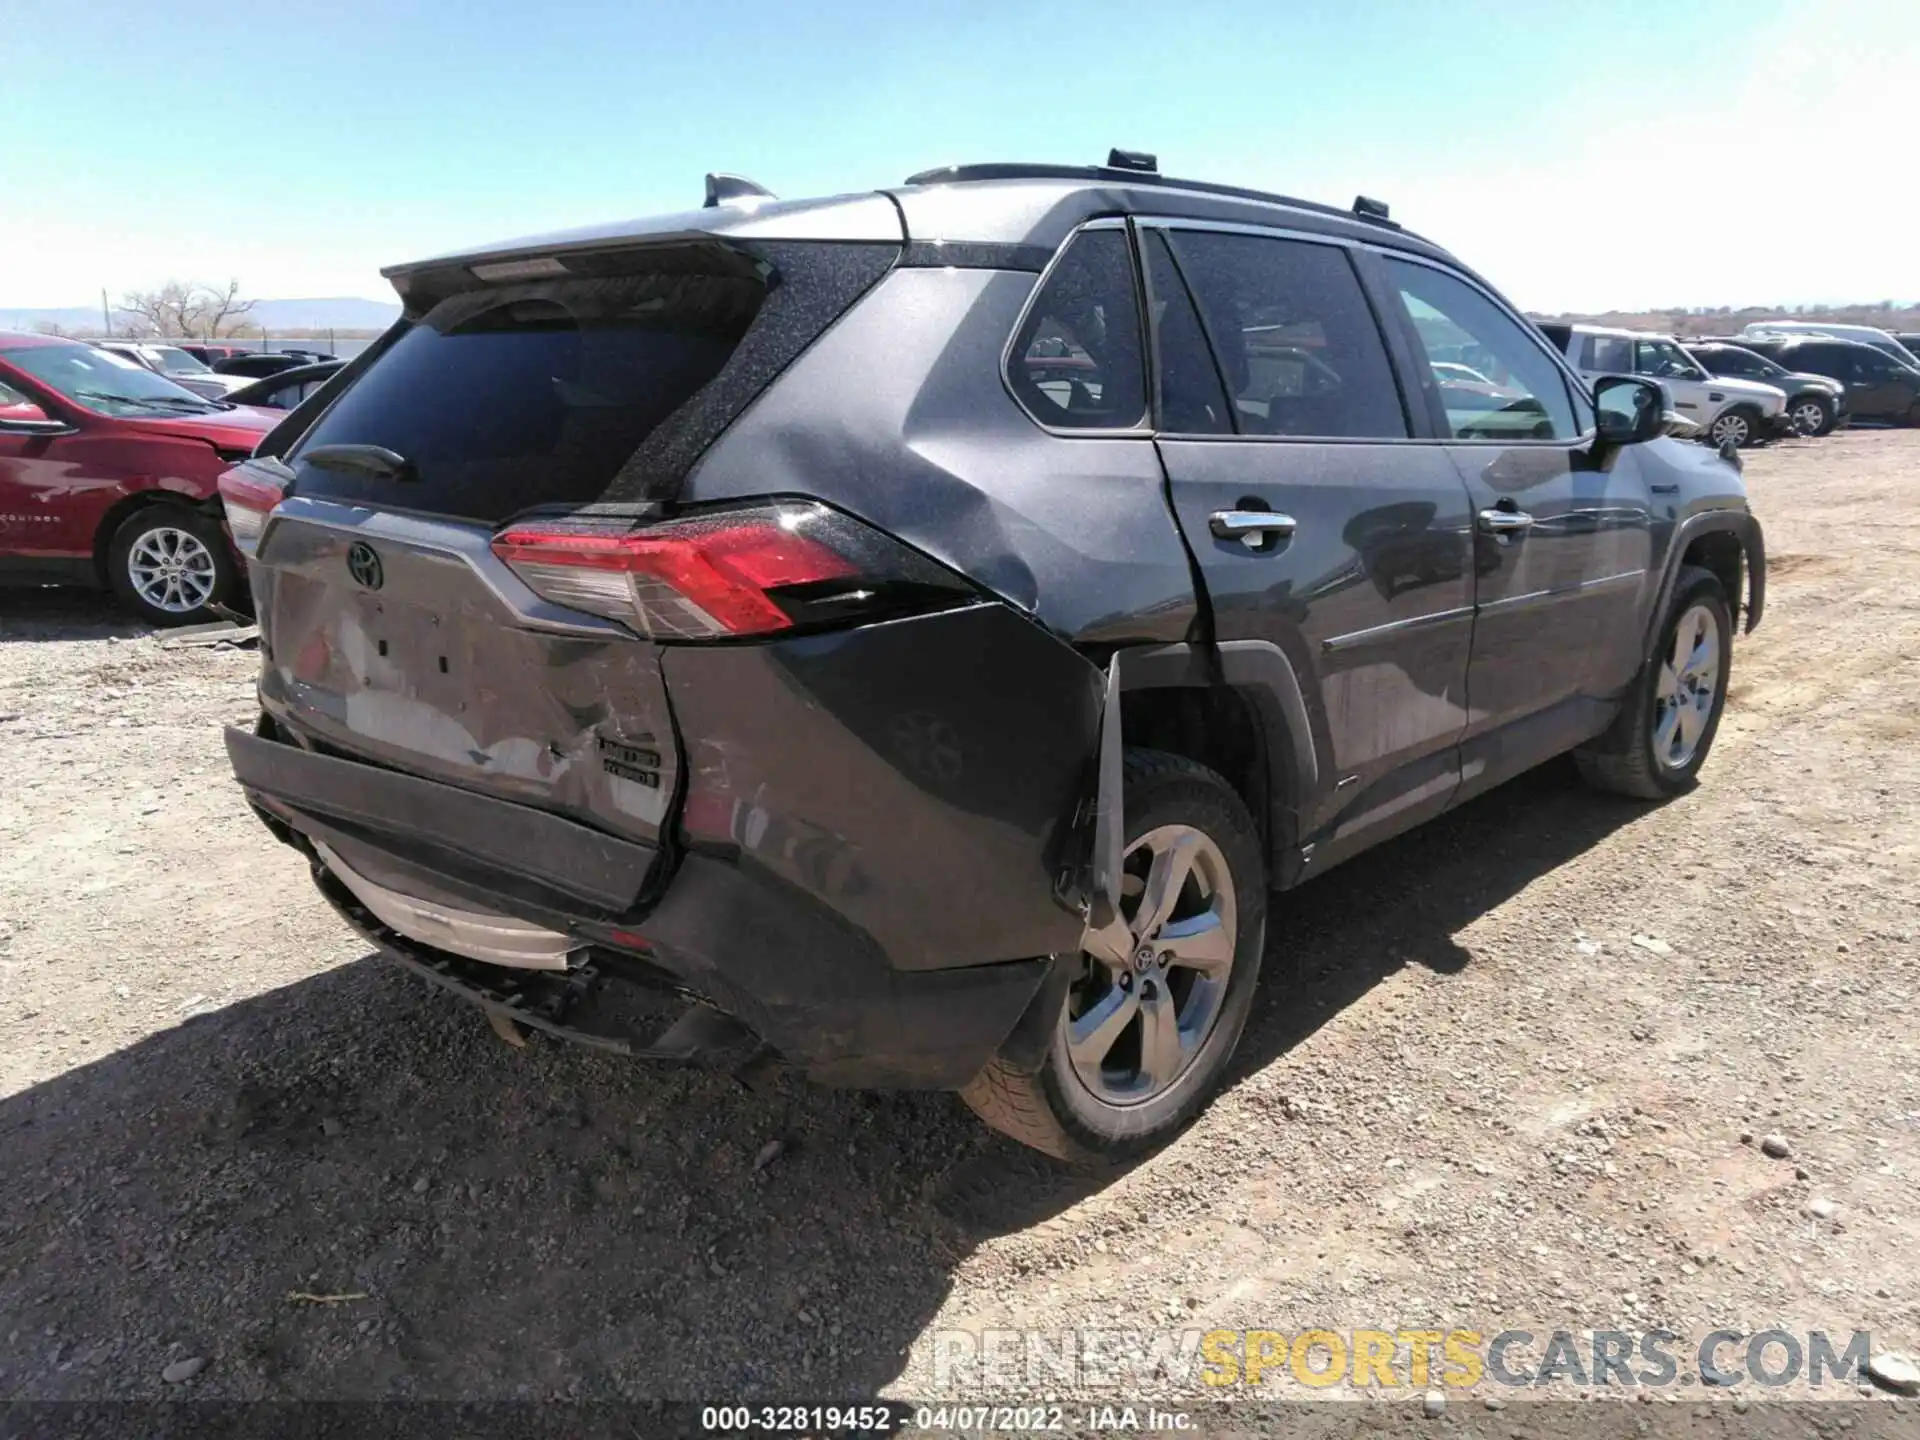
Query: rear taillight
point(248, 500)
point(756, 571)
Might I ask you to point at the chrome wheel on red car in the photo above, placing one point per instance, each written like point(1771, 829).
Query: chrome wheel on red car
point(172, 570)
point(171, 563)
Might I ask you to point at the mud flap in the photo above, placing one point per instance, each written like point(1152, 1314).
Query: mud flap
point(1109, 818)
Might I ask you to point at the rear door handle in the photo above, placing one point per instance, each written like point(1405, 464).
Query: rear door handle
point(1249, 525)
point(1505, 522)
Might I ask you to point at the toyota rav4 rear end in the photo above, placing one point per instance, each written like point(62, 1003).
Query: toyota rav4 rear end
point(543, 724)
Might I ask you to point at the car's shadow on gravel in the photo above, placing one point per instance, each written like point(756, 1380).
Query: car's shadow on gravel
point(350, 1187)
point(1331, 941)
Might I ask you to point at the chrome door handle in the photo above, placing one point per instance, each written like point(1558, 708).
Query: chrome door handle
point(1505, 522)
point(1249, 525)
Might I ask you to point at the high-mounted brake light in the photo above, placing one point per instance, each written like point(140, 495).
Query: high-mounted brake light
point(248, 501)
point(756, 571)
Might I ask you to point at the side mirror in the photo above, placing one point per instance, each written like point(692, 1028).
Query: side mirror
point(27, 418)
point(1630, 410)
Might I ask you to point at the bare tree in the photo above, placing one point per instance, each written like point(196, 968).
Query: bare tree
point(185, 310)
point(161, 312)
point(219, 312)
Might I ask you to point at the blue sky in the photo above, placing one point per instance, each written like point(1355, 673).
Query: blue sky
point(1582, 155)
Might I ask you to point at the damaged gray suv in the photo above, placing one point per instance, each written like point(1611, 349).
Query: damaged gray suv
point(911, 634)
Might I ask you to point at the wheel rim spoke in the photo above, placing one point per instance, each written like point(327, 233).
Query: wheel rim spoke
point(1200, 943)
point(1111, 944)
point(1693, 721)
point(1168, 877)
point(1162, 1051)
point(1666, 733)
point(1683, 641)
point(1091, 1038)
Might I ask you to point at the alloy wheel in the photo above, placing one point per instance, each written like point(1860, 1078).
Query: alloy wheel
point(1684, 696)
point(1731, 426)
point(1152, 981)
point(1808, 417)
point(172, 570)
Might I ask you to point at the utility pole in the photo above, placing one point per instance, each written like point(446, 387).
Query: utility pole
point(106, 316)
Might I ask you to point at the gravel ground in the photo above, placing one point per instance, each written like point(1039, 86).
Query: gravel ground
point(1499, 1075)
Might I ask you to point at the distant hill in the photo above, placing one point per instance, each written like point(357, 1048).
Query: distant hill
point(339, 312)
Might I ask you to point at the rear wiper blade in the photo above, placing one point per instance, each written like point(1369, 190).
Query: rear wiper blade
point(376, 462)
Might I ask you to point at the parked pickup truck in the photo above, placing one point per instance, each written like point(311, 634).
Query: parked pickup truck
point(1742, 411)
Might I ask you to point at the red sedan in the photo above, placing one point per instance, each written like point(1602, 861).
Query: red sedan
point(108, 475)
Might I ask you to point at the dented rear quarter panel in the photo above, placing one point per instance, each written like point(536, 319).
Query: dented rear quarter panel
point(916, 777)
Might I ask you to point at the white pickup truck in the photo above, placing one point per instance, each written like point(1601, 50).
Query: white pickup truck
point(1743, 411)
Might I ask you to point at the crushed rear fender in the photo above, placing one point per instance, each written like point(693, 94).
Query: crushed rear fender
point(919, 779)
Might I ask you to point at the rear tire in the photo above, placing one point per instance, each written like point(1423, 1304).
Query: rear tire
point(170, 564)
point(1659, 741)
point(1122, 1073)
point(1813, 415)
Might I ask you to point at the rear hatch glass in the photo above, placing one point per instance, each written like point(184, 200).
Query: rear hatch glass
point(515, 396)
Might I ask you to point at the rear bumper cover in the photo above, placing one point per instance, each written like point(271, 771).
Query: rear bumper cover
point(751, 944)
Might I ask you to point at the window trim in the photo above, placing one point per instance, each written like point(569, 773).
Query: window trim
point(1411, 415)
point(1141, 429)
point(1576, 385)
point(1155, 370)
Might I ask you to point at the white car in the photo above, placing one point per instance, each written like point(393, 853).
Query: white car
point(1740, 411)
point(1865, 334)
point(177, 365)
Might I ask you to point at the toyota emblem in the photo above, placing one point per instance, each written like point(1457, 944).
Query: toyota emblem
point(364, 565)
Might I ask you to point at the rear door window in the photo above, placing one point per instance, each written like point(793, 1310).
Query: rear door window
point(1078, 362)
point(515, 396)
point(1293, 335)
point(1825, 360)
point(1732, 362)
point(1608, 355)
point(1663, 359)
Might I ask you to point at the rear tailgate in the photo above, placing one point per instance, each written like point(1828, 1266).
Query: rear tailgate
point(403, 641)
point(394, 636)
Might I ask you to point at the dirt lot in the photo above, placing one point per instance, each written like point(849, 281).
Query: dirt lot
point(1467, 1096)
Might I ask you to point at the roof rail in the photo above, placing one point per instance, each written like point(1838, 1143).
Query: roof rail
point(1139, 168)
point(723, 188)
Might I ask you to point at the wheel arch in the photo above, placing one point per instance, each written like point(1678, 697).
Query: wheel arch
point(1236, 708)
point(1728, 543)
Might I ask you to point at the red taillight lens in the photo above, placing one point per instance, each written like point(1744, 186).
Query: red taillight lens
point(248, 501)
point(738, 573)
